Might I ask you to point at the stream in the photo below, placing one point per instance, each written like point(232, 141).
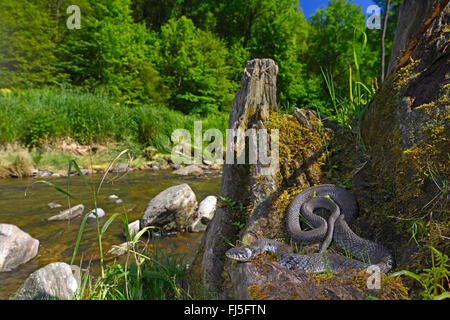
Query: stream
point(25, 204)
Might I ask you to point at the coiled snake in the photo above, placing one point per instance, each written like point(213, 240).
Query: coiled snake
point(342, 206)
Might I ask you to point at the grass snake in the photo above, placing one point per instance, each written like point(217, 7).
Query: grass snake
point(342, 206)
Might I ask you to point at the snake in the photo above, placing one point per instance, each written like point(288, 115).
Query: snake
point(360, 253)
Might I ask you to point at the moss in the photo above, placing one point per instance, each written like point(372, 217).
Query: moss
point(256, 293)
point(301, 159)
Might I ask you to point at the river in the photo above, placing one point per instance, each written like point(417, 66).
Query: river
point(25, 204)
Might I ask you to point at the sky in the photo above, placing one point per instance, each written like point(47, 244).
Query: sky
point(310, 6)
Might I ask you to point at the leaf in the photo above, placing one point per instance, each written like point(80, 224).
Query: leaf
point(108, 222)
point(54, 187)
point(80, 233)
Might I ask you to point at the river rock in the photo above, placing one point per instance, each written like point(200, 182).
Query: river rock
point(68, 214)
point(55, 281)
point(194, 170)
point(121, 168)
point(16, 247)
point(121, 249)
point(171, 210)
point(54, 205)
point(100, 213)
point(133, 228)
point(205, 213)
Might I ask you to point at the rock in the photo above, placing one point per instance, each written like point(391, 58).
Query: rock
point(68, 214)
point(85, 172)
point(16, 247)
point(55, 281)
point(306, 117)
point(214, 166)
point(44, 173)
point(176, 166)
point(100, 213)
point(171, 210)
point(207, 208)
point(119, 251)
point(196, 226)
point(54, 205)
point(265, 279)
point(133, 228)
point(205, 213)
point(121, 168)
point(189, 170)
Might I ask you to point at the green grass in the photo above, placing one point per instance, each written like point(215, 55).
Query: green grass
point(37, 117)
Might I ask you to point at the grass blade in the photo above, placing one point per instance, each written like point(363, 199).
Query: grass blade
point(80, 232)
point(54, 187)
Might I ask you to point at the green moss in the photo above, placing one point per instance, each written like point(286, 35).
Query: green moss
point(298, 169)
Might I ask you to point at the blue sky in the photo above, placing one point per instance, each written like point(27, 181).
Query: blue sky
point(310, 6)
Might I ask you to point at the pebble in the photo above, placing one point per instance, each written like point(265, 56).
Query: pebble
point(100, 213)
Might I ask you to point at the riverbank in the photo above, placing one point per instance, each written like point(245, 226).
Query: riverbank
point(20, 162)
point(47, 127)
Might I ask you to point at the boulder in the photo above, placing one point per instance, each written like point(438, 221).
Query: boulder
point(68, 214)
point(55, 281)
point(205, 213)
point(170, 210)
point(194, 170)
point(16, 247)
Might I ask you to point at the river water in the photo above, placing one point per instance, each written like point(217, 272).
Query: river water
point(25, 204)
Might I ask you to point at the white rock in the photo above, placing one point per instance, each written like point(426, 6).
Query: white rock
point(100, 213)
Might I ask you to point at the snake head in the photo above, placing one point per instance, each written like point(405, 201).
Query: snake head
point(241, 254)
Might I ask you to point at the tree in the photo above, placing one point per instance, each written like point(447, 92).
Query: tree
point(109, 50)
point(193, 64)
point(27, 52)
point(392, 7)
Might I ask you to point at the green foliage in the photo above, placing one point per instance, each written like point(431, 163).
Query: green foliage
point(40, 116)
point(109, 50)
point(193, 64)
point(26, 47)
point(434, 280)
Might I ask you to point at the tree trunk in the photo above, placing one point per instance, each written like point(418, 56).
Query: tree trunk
point(383, 38)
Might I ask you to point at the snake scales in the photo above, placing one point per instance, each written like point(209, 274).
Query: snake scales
point(342, 206)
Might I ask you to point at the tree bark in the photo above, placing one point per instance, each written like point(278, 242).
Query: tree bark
point(383, 39)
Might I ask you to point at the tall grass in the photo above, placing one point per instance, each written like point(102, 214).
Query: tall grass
point(154, 276)
point(35, 117)
point(349, 108)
